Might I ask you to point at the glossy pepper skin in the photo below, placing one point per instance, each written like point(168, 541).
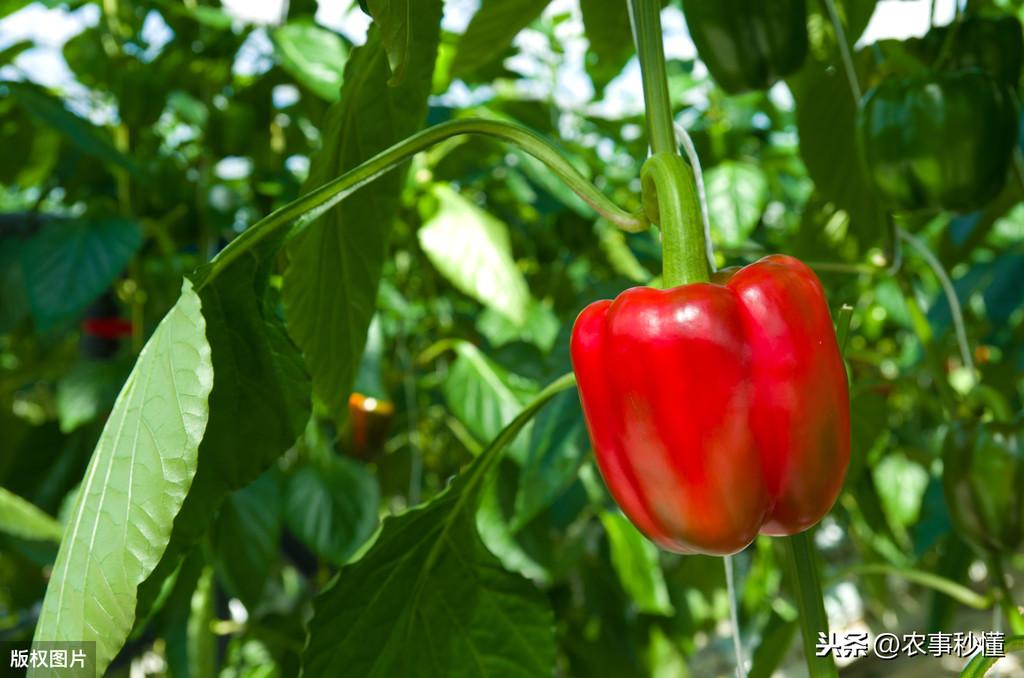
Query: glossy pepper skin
point(748, 44)
point(938, 141)
point(717, 410)
point(983, 482)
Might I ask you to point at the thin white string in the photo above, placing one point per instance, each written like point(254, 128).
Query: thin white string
point(686, 143)
point(730, 585)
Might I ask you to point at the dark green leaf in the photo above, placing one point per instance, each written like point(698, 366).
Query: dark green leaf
point(330, 287)
point(491, 31)
point(609, 37)
point(395, 20)
point(331, 506)
point(84, 135)
point(69, 263)
point(825, 119)
point(430, 564)
point(636, 562)
point(776, 639)
point(246, 537)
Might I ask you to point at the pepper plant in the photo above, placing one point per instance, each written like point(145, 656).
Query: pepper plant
point(290, 345)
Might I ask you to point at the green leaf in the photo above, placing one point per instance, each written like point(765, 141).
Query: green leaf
point(23, 519)
point(776, 639)
point(484, 396)
point(260, 381)
point(471, 249)
point(620, 256)
point(331, 506)
point(557, 446)
point(246, 537)
point(330, 287)
point(71, 262)
point(825, 116)
point(540, 327)
point(81, 133)
point(610, 41)
point(491, 31)
point(88, 390)
point(428, 599)
point(314, 56)
point(133, 488)
point(901, 484)
point(394, 18)
point(635, 560)
point(736, 194)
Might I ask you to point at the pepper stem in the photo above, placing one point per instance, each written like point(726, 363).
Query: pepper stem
point(802, 571)
point(669, 190)
point(670, 200)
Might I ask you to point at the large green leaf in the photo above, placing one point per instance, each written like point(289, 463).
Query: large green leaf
point(70, 262)
point(484, 396)
point(314, 56)
point(331, 506)
point(491, 31)
point(24, 519)
point(330, 287)
point(395, 20)
point(610, 41)
point(737, 193)
point(825, 118)
point(133, 488)
point(556, 449)
point(635, 560)
point(260, 381)
point(246, 537)
point(428, 599)
point(81, 133)
point(471, 249)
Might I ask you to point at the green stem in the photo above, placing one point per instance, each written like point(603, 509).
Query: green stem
point(315, 203)
point(957, 592)
point(979, 666)
point(947, 288)
point(802, 571)
point(844, 49)
point(645, 16)
point(1006, 602)
point(670, 200)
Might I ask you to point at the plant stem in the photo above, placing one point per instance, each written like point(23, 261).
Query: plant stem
point(1006, 602)
point(947, 287)
point(802, 570)
point(645, 17)
point(670, 200)
point(312, 205)
point(844, 49)
point(954, 590)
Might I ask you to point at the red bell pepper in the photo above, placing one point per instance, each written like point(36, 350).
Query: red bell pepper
point(718, 409)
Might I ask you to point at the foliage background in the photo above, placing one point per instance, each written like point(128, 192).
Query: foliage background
point(178, 130)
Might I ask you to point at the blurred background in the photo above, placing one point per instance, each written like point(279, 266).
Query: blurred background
point(138, 137)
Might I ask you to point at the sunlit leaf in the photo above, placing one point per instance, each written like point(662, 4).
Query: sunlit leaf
point(134, 487)
point(23, 519)
point(471, 249)
point(736, 194)
point(635, 560)
point(312, 55)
